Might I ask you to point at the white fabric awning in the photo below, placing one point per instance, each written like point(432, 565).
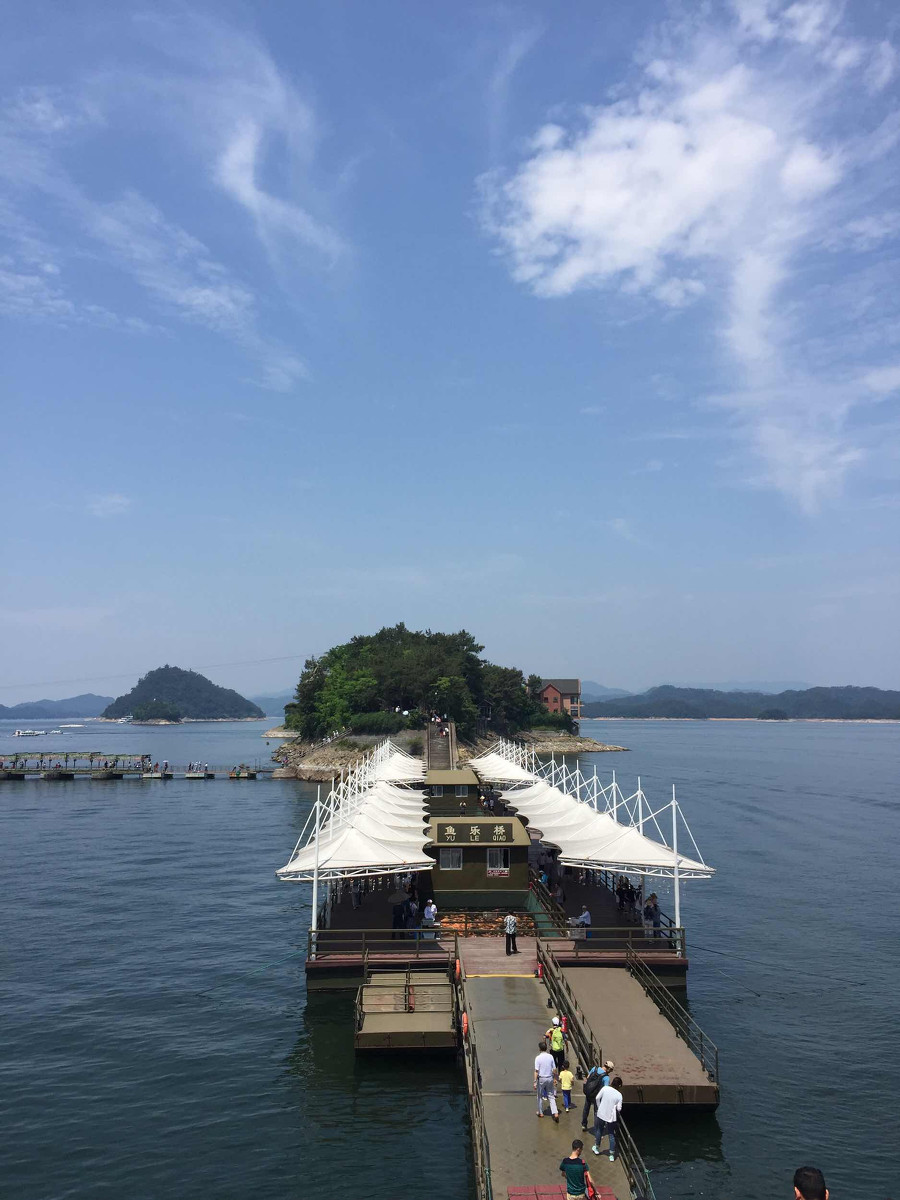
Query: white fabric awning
point(585, 837)
point(401, 767)
point(382, 830)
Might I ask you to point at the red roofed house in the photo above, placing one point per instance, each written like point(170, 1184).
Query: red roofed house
point(561, 695)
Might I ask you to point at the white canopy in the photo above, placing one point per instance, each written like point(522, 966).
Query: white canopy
point(381, 830)
point(400, 767)
point(585, 837)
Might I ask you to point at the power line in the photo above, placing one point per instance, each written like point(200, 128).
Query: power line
point(249, 662)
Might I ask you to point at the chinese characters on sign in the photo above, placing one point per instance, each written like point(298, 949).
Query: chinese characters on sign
point(477, 834)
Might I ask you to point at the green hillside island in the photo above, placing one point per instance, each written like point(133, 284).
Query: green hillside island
point(361, 685)
point(818, 703)
point(171, 694)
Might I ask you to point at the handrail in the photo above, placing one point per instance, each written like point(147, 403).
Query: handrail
point(685, 1025)
point(479, 1127)
point(371, 942)
point(554, 911)
point(613, 937)
point(586, 1043)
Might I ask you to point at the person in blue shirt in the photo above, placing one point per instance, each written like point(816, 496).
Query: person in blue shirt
point(597, 1077)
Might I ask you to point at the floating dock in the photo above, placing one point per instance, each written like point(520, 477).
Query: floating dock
point(406, 1010)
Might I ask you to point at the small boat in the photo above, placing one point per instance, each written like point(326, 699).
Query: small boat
point(56, 731)
point(29, 733)
point(70, 727)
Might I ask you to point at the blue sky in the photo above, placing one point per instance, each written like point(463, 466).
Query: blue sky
point(580, 331)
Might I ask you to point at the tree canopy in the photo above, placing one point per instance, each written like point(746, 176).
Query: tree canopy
point(418, 672)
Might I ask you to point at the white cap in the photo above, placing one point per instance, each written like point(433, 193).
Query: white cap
point(556, 1020)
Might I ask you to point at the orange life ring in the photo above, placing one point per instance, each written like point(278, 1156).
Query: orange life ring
point(465, 1024)
point(458, 971)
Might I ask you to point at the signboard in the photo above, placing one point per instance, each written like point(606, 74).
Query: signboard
point(476, 833)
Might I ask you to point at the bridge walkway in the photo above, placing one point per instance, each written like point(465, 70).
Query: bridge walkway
point(507, 1012)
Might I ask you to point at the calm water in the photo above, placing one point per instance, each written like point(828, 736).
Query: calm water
point(158, 1040)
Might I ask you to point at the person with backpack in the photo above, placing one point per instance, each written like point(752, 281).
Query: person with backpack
point(597, 1077)
point(609, 1105)
point(576, 1174)
point(557, 1041)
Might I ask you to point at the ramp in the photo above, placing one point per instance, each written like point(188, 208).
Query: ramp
point(507, 1014)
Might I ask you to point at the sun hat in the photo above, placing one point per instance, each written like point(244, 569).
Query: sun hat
point(555, 1021)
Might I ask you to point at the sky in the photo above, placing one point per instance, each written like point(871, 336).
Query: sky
point(577, 327)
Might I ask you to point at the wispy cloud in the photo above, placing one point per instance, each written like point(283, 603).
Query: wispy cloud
point(513, 51)
point(112, 504)
point(220, 108)
point(721, 165)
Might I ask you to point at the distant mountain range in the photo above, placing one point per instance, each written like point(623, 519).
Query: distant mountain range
point(273, 706)
point(173, 694)
point(87, 705)
point(823, 703)
point(596, 691)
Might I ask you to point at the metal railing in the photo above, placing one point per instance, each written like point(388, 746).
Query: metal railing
point(587, 1045)
point(589, 1053)
point(480, 1144)
point(623, 937)
point(415, 943)
point(685, 1025)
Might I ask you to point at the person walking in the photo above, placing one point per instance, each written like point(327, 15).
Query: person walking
point(575, 1172)
point(609, 1105)
point(566, 1080)
point(809, 1184)
point(545, 1079)
point(597, 1078)
point(511, 928)
point(557, 1040)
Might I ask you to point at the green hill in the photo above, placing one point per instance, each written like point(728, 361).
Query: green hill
point(817, 703)
point(170, 693)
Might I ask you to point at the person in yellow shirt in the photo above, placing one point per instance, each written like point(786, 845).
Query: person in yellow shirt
point(566, 1079)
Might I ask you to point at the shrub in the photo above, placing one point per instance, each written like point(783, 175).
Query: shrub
point(377, 722)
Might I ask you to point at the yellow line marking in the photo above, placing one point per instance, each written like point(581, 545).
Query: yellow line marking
point(498, 975)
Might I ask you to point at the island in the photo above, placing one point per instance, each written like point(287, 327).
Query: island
point(390, 683)
point(807, 704)
point(171, 695)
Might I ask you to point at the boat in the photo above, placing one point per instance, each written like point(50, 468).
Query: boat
point(70, 727)
point(56, 731)
point(29, 733)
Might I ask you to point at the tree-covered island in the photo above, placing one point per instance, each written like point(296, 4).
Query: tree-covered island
point(366, 685)
point(172, 694)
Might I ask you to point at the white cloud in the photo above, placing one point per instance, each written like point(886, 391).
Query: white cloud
point(883, 380)
point(113, 504)
point(229, 118)
point(714, 171)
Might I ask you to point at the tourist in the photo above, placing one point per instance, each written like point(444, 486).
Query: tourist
point(545, 1080)
point(429, 916)
point(558, 894)
point(462, 807)
point(356, 893)
point(566, 1079)
point(557, 1040)
point(490, 803)
point(577, 1176)
point(412, 913)
point(653, 906)
point(621, 893)
point(651, 915)
point(597, 1078)
point(609, 1105)
point(584, 917)
point(511, 928)
point(809, 1184)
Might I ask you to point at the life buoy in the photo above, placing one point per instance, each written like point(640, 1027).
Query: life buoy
point(465, 1024)
point(458, 971)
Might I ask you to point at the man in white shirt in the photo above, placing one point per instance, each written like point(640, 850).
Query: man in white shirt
point(584, 918)
point(545, 1078)
point(609, 1105)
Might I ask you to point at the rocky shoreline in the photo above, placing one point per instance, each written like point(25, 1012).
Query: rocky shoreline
point(319, 762)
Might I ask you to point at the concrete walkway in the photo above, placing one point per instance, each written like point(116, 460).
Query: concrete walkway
point(508, 1014)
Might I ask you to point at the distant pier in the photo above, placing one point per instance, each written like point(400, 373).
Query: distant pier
point(101, 767)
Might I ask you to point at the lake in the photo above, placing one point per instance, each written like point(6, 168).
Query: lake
point(158, 1039)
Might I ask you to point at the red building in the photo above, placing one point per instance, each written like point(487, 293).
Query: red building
point(561, 695)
